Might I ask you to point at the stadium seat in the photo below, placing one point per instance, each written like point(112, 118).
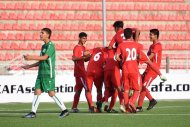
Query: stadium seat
point(4, 15)
point(30, 16)
point(58, 46)
point(82, 27)
point(58, 6)
point(53, 16)
point(37, 16)
point(86, 16)
point(45, 16)
point(70, 16)
point(61, 36)
point(26, 6)
point(51, 6)
point(21, 6)
point(28, 36)
point(42, 6)
point(24, 26)
point(21, 16)
point(8, 56)
point(66, 6)
point(10, 6)
point(19, 36)
point(8, 26)
point(34, 6)
point(31, 46)
point(11, 36)
point(2, 6)
point(62, 16)
point(13, 16)
point(38, 46)
point(23, 46)
point(1, 26)
point(2, 57)
point(16, 26)
point(65, 46)
point(14, 46)
point(32, 26)
point(36, 36)
point(5, 46)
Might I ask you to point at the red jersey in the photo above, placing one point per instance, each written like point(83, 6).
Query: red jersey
point(111, 62)
point(79, 69)
point(118, 38)
point(156, 59)
point(97, 60)
point(129, 51)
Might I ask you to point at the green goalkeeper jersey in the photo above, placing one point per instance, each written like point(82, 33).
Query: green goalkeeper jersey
point(47, 67)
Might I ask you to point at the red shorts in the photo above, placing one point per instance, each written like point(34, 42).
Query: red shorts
point(96, 78)
point(131, 81)
point(147, 79)
point(112, 78)
point(80, 83)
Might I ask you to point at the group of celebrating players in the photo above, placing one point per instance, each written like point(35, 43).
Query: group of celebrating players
point(123, 53)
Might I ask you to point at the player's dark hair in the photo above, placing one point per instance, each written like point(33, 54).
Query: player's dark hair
point(82, 34)
point(118, 24)
point(155, 32)
point(128, 33)
point(48, 31)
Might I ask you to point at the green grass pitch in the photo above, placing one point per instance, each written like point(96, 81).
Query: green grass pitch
point(167, 113)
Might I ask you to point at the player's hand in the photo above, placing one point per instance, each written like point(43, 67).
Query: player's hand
point(163, 78)
point(28, 57)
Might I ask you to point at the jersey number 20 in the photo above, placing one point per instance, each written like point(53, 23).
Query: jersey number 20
point(132, 54)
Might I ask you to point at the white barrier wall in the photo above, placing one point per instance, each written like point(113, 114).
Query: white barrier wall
point(20, 88)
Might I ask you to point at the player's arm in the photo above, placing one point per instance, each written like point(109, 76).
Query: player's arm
point(30, 66)
point(155, 69)
point(85, 58)
point(112, 43)
point(118, 53)
point(137, 34)
point(39, 58)
point(151, 55)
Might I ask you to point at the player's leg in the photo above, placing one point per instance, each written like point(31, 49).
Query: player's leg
point(107, 82)
point(88, 90)
point(126, 90)
point(98, 82)
point(113, 101)
point(36, 99)
point(48, 85)
point(135, 82)
point(117, 84)
point(78, 89)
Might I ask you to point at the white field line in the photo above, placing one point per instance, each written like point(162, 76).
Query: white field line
point(49, 109)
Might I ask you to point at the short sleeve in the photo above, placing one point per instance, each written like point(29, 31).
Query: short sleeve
point(50, 50)
point(156, 48)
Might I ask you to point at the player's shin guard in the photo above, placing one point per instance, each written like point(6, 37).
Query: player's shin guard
point(148, 95)
point(59, 103)
point(76, 100)
point(35, 103)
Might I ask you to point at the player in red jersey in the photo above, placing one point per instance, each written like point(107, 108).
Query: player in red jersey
point(154, 54)
point(112, 81)
point(95, 73)
point(119, 36)
point(80, 72)
point(129, 50)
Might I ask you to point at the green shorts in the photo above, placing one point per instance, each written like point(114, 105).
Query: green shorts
point(45, 84)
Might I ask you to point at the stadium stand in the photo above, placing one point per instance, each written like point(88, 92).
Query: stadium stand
point(21, 22)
